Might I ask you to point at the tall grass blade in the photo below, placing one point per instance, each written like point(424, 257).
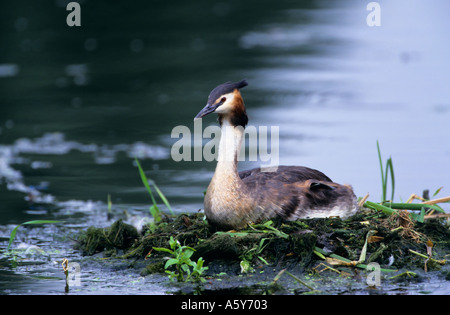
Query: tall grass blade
point(384, 175)
point(145, 180)
point(383, 180)
point(109, 214)
point(154, 210)
point(14, 231)
point(390, 166)
point(163, 198)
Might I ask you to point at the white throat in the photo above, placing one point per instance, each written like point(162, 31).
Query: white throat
point(230, 143)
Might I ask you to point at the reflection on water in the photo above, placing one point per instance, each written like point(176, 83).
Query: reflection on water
point(366, 84)
point(78, 104)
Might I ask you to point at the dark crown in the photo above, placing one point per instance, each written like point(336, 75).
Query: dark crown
point(225, 88)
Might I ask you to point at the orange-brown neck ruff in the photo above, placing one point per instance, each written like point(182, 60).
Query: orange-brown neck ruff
point(238, 115)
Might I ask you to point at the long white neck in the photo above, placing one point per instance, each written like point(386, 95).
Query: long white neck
point(227, 201)
point(230, 145)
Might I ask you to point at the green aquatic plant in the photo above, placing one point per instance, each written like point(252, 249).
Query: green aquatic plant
point(256, 251)
point(181, 259)
point(389, 207)
point(264, 227)
point(248, 256)
point(14, 231)
point(109, 214)
point(384, 175)
point(154, 209)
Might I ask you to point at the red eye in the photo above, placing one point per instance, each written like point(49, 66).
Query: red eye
point(223, 99)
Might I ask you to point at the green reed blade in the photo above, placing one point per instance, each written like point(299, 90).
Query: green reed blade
point(14, 231)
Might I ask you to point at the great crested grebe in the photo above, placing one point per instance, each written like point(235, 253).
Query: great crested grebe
point(234, 199)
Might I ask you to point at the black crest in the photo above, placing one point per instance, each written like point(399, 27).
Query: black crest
point(225, 88)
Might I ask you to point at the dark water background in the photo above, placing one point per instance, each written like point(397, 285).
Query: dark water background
point(77, 104)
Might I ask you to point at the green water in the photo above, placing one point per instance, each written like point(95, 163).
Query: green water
point(77, 104)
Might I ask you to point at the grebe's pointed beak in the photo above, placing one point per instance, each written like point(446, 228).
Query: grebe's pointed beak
point(208, 109)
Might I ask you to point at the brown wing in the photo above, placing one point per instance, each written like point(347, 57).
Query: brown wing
point(283, 174)
point(295, 189)
point(283, 188)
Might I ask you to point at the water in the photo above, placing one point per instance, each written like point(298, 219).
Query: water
point(78, 104)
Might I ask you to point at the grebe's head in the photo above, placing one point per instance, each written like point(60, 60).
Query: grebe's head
point(226, 100)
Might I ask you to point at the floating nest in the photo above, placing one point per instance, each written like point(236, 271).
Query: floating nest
point(394, 242)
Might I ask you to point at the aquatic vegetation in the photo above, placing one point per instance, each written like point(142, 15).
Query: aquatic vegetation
point(23, 253)
point(321, 248)
point(181, 259)
point(154, 209)
point(258, 248)
point(384, 175)
point(251, 254)
point(390, 208)
point(119, 235)
point(14, 231)
point(387, 234)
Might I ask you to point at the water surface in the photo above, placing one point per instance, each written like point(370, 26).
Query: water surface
point(77, 105)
